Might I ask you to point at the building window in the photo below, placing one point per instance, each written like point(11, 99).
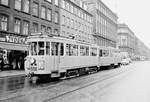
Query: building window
point(49, 1)
point(49, 14)
point(4, 2)
point(67, 5)
point(18, 5)
point(25, 28)
point(68, 22)
point(79, 26)
point(63, 33)
point(71, 8)
point(43, 12)
point(35, 27)
point(76, 25)
point(3, 22)
point(35, 9)
point(56, 17)
point(43, 28)
point(26, 6)
point(17, 25)
point(75, 11)
point(63, 20)
point(84, 16)
point(71, 23)
point(49, 30)
point(63, 4)
point(56, 2)
point(79, 13)
point(56, 32)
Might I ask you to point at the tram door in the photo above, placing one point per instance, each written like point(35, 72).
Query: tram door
point(100, 55)
point(56, 51)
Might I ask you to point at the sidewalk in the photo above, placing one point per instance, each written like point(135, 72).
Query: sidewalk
point(12, 73)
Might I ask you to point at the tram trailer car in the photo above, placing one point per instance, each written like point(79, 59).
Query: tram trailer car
point(60, 57)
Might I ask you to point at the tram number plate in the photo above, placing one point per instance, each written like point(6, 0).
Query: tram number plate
point(33, 69)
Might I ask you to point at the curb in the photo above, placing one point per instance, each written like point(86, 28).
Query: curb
point(11, 76)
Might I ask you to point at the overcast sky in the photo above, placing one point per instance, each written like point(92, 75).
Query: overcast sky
point(136, 14)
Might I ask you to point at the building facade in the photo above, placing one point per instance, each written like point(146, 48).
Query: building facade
point(20, 18)
point(75, 21)
point(104, 23)
point(127, 41)
point(143, 52)
point(130, 43)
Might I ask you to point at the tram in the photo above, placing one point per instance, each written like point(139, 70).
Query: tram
point(57, 57)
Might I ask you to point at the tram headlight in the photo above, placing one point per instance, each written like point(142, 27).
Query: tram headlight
point(41, 65)
point(32, 60)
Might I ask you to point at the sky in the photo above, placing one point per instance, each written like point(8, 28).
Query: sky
point(136, 14)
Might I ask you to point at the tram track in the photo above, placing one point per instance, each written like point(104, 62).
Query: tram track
point(52, 86)
point(87, 85)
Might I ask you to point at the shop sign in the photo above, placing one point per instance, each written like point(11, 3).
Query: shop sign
point(2, 39)
point(15, 39)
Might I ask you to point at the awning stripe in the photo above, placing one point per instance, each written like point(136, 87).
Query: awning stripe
point(12, 46)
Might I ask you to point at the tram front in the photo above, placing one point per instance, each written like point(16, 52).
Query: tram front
point(43, 59)
point(35, 61)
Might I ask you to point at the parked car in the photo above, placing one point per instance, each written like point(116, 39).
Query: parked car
point(126, 61)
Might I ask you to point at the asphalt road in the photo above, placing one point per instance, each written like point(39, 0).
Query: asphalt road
point(130, 86)
point(92, 88)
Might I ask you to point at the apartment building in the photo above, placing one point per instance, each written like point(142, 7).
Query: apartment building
point(104, 23)
point(126, 40)
point(75, 21)
point(20, 18)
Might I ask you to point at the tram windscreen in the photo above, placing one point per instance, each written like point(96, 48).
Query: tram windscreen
point(34, 48)
point(41, 48)
point(37, 48)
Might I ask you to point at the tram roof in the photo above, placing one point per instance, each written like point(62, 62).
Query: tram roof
point(46, 37)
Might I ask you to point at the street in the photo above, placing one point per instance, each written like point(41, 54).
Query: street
point(126, 84)
point(74, 51)
point(127, 87)
point(132, 88)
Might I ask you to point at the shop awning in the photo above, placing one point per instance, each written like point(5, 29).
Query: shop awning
point(12, 46)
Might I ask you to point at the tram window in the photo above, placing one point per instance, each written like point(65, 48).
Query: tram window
point(71, 50)
point(47, 48)
point(84, 51)
point(105, 53)
point(87, 51)
point(61, 49)
point(67, 49)
point(54, 49)
point(93, 52)
point(34, 48)
point(75, 50)
point(100, 53)
point(112, 53)
point(41, 48)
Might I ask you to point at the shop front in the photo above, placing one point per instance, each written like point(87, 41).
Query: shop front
point(13, 50)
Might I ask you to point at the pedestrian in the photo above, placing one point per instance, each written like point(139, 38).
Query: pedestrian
point(1, 64)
